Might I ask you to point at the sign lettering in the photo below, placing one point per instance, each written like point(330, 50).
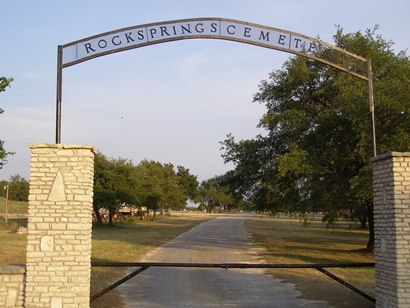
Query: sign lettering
point(139, 36)
point(214, 28)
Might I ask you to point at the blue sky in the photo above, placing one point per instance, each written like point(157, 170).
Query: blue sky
point(169, 102)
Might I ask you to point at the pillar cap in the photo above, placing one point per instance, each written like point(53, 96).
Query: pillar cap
point(389, 155)
point(63, 146)
point(12, 269)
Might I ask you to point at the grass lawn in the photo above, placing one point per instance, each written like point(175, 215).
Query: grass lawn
point(288, 241)
point(13, 246)
point(14, 207)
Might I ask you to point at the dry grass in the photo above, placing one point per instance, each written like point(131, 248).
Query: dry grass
point(13, 247)
point(285, 241)
point(288, 241)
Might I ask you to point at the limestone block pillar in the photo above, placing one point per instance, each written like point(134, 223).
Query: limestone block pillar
point(59, 226)
point(12, 280)
point(391, 186)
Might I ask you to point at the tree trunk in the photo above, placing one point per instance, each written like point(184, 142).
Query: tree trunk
point(110, 216)
point(363, 220)
point(97, 215)
point(370, 218)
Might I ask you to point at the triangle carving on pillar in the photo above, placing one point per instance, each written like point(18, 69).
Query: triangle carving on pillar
point(57, 192)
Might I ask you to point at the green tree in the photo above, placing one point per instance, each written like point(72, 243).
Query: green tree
point(215, 196)
point(153, 203)
point(189, 184)
point(253, 176)
point(18, 188)
point(316, 153)
point(160, 180)
point(150, 184)
point(4, 83)
point(113, 185)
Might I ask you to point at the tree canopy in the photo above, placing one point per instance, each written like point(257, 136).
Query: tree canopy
point(215, 196)
point(113, 185)
point(149, 184)
point(157, 187)
point(316, 152)
point(18, 188)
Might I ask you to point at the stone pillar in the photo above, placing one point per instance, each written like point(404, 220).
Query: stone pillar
point(391, 186)
point(59, 226)
point(12, 280)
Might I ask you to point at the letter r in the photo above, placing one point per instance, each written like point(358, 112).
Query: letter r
point(88, 47)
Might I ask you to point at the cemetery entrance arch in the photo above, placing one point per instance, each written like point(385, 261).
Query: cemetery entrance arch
point(61, 176)
point(212, 28)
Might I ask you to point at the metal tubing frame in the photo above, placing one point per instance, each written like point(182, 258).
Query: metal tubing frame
point(116, 284)
point(145, 265)
point(230, 265)
point(59, 93)
point(368, 78)
point(346, 284)
point(371, 107)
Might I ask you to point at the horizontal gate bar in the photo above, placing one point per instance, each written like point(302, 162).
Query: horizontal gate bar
point(231, 265)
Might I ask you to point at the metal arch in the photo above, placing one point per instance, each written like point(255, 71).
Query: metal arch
point(217, 35)
point(318, 55)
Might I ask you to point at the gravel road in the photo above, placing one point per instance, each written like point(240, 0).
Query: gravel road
point(221, 240)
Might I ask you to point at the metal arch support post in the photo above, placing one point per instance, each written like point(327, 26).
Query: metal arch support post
point(371, 107)
point(59, 93)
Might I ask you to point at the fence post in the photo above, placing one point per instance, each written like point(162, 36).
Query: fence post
point(59, 226)
point(391, 187)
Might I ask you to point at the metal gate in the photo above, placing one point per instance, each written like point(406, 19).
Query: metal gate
point(142, 266)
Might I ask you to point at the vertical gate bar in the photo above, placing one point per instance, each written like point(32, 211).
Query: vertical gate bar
point(59, 93)
point(371, 106)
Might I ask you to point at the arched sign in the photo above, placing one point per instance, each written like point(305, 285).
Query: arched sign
point(211, 28)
